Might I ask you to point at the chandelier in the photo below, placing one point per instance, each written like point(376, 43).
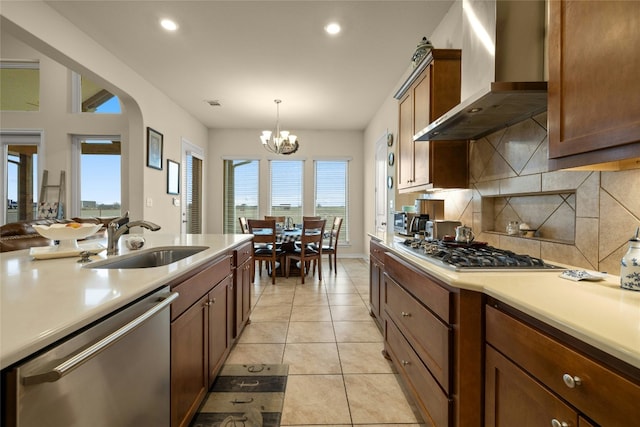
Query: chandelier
point(280, 142)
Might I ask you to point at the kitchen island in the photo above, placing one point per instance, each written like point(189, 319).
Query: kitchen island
point(514, 345)
point(45, 300)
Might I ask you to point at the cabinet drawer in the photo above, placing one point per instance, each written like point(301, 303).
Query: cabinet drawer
point(604, 396)
point(431, 400)
point(241, 254)
point(376, 250)
point(430, 337)
point(435, 297)
point(199, 284)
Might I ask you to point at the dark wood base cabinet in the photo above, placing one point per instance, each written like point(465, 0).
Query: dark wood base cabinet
point(201, 335)
point(433, 335)
point(533, 378)
point(242, 262)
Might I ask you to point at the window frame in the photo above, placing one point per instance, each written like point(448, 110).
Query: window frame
point(234, 219)
point(75, 208)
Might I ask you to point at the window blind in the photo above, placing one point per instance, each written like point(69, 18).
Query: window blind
point(286, 188)
point(331, 193)
point(241, 179)
point(193, 196)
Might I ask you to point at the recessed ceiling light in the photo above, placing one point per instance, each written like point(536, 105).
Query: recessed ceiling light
point(332, 28)
point(169, 25)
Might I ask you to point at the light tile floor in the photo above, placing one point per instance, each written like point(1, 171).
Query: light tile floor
point(323, 331)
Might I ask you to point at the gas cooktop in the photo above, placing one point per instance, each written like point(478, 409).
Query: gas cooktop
point(473, 256)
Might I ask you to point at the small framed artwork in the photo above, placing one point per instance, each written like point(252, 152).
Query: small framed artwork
point(154, 149)
point(173, 177)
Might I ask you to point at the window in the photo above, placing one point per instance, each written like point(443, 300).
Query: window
point(19, 86)
point(331, 195)
point(97, 183)
point(286, 189)
point(240, 192)
point(89, 97)
point(19, 184)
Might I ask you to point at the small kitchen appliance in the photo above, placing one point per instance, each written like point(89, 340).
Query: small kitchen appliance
point(419, 224)
point(402, 223)
point(438, 229)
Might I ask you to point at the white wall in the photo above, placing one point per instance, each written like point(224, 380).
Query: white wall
point(314, 145)
point(39, 26)
point(448, 35)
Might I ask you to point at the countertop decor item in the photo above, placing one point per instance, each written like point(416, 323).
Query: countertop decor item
point(67, 234)
point(630, 265)
point(135, 242)
point(279, 142)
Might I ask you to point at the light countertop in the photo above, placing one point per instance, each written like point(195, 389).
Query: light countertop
point(44, 300)
point(598, 313)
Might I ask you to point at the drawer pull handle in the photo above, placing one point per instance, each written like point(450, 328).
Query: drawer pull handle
point(570, 381)
point(405, 363)
point(405, 314)
point(556, 423)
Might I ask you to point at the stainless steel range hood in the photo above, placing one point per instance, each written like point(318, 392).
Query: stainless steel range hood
point(503, 70)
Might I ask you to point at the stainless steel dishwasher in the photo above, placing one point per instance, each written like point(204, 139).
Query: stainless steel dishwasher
point(113, 373)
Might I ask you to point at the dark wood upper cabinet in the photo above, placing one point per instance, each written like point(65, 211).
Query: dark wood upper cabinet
point(594, 102)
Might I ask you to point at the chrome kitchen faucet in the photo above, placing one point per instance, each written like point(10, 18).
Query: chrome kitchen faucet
point(114, 231)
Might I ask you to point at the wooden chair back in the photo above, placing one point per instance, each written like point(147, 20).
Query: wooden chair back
point(310, 247)
point(264, 239)
point(331, 249)
point(309, 218)
point(244, 225)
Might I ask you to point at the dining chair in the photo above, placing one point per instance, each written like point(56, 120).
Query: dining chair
point(331, 249)
point(309, 218)
point(265, 249)
point(310, 248)
point(244, 225)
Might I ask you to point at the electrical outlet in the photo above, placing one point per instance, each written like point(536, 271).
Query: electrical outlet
point(149, 202)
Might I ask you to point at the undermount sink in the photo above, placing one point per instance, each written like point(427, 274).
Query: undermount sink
point(152, 257)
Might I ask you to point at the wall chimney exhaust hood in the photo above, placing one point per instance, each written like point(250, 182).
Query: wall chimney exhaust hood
point(503, 70)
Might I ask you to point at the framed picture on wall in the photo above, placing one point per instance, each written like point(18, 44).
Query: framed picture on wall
point(173, 177)
point(154, 149)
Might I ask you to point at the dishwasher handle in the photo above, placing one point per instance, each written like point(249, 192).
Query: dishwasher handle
point(84, 356)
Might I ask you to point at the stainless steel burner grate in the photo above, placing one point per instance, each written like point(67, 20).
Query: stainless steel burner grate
point(474, 256)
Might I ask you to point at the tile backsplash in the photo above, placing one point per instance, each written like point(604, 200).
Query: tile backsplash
point(583, 218)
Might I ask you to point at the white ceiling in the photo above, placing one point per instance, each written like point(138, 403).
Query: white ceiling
point(245, 54)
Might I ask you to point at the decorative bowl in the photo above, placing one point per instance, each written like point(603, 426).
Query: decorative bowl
point(67, 234)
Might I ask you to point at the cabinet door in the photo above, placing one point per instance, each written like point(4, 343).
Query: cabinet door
point(375, 277)
point(189, 362)
point(219, 322)
point(593, 82)
point(513, 398)
point(405, 141)
point(421, 119)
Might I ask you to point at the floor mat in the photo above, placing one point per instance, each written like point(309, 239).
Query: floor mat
point(244, 396)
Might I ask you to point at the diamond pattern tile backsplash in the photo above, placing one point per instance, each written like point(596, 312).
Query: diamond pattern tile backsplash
point(581, 218)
